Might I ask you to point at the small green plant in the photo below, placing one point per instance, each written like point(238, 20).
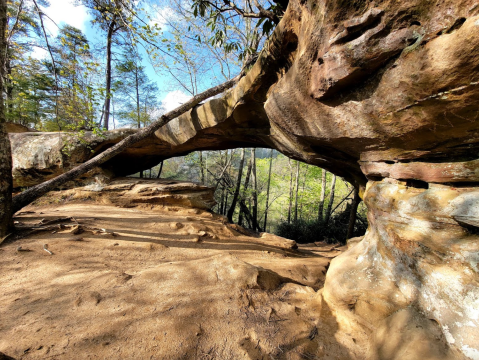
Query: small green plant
point(335, 231)
point(78, 132)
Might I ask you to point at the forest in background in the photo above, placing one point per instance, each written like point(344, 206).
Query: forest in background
point(84, 86)
point(280, 195)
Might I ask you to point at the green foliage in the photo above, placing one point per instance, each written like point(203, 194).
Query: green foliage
point(134, 91)
point(79, 135)
point(254, 21)
point(304, 231)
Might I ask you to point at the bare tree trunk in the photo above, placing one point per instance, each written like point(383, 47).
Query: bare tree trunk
point(323, 192)
point(302, 192)
point(222, 199)
point(255, 191)
point(237, 190)
point(111, 30)
point(245, 188)
point(267, 189)
point(202, 169)
point(113, 112)
point(35, 192)
point(6, 208)
point(39, 12)
point(297, 188)
point(228, 182)
point(331, 200)
point(206, 168)
point(352, 215)
point(159, 171)
point(290, 191)
point(225, 206)
point(137, 98)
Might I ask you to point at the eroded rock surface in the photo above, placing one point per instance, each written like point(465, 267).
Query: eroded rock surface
point(131, 192)
point(385, 94)
point(417, 264)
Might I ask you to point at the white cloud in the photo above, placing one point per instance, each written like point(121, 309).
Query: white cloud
point(65, 12)
point(174, 99)
point(61, 12)
point(161, 16)
point(39, 53)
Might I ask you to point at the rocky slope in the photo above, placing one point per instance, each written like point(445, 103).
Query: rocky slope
point(385, 94)
point(156, 280)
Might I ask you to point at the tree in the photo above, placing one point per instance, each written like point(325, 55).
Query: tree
point(290, 191)
point(245, 189)
point(237, 189)
point(22, 31)
point(323, 193)
point(31, 100)
point(77, 79)
point(255, 19)
point(135, 91)
point(267, 191)
point(331, 200)
point(296, 197)
point(255, 191)
point(107, 14)
point(353, 214)
point(35, 192)
point(6, 208)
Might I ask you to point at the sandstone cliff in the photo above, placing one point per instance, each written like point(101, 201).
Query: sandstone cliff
point(385, 94)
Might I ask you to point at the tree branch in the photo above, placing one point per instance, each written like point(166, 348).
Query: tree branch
point(40, 14)
point(35, 192)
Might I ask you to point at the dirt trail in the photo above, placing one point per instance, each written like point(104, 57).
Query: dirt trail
point(158, 284)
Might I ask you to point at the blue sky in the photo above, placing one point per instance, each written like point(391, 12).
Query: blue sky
point(65, 12)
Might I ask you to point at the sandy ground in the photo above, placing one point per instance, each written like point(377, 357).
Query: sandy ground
point(166, 285)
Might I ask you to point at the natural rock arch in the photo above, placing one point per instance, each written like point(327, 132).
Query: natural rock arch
point(385, 94)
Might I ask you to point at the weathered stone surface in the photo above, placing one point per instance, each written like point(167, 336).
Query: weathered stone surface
point(383, 93)
point(419, 258)
point(133, 192)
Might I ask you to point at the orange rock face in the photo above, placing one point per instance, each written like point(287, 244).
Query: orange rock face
point(385, 94)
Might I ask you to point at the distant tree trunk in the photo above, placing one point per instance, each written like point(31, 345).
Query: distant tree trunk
point(255, 192)
point(202, 168)
point(302, 192)
point(137, 99)
point(331, 200)
point(353, 213)
point(113, 113)
point(290, 191)
point(111, 30)
point(206, 168)
point(6, 207)
point(267, 189)
point(245, 188)
point(159, 171)
point(226, 202)
point(222, 200)
point(323, 192)
point(237, 189)
point(297, 188)
point(137, 108)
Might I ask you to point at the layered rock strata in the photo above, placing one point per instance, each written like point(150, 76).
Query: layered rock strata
point(385, 94)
